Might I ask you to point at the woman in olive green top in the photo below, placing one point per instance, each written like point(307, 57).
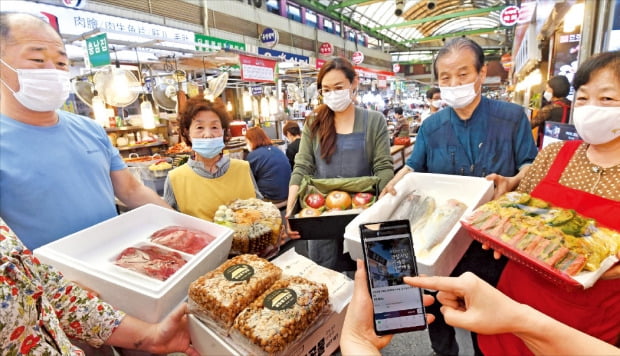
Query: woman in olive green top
point(341, 140)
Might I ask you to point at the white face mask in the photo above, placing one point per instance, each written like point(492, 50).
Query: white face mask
point(41, 89)
point(547, 95)
point(338, 100)
point(597, 124)
point(459, 96)
point(436, 103)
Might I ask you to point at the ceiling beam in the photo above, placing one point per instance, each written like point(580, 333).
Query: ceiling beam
point(318, 7)
point(352, 2)
point(440, 17)
point(454, 34)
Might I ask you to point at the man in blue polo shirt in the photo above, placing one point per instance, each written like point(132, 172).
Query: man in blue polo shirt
point(59, 173)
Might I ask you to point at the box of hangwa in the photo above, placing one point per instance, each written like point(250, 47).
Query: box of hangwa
point(127, 259)
point(319, 338)
point(434, 205)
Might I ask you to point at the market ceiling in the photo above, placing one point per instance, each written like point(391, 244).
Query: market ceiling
point(423, 24)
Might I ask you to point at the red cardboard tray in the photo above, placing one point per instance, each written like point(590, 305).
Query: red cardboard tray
point(553, 275)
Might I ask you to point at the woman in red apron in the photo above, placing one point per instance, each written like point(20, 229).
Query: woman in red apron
point(584, 176)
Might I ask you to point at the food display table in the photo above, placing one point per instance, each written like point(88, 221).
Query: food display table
point(398, 157)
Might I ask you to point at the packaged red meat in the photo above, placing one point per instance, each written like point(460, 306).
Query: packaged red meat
point(182, 239)
point(151, 261)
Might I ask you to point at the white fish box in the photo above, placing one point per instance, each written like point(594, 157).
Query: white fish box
point(88, 256)
point(442, 259)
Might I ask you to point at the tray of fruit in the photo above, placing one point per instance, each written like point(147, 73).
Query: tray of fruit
point(325, 206)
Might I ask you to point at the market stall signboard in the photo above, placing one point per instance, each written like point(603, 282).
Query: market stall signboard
point(257, 69)
point(509, 15)
point(215, 44)
point(357, 57)
point(269, 37)
point(98, 50)
point(326, 49)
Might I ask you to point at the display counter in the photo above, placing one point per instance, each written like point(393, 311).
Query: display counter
point(397, 152)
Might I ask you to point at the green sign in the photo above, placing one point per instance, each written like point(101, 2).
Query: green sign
point(215, 44)
point(98, 50)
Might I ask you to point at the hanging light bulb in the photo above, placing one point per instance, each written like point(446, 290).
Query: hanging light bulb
point(120, 83)
point(273, 105)
point(247, 101)
point(264, 107)
point(573, 18)
point(148, 118)
point(229, 106)
point(99, 110)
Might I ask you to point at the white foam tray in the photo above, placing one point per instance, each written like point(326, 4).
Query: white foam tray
point(442, 259)
point(87, 257)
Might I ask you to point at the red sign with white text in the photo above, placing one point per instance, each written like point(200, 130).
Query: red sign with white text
point(257, 69)
point(319, 63)
point(509, 15)
point(326, 49)
point(357, 57)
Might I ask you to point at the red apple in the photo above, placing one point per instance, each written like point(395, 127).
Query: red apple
point(315, 200)
point(363, 200)
point(338, 200)
point(309, 213)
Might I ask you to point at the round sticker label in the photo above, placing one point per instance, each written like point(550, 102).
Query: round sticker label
point(239, 273)
point(280, 299)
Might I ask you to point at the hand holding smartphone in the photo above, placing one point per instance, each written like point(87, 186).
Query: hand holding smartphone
point(388, 257)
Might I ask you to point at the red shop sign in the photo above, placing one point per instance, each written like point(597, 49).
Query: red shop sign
point(509, 15)
point(257, 69)
point(357, 57)
point(326, 49)
point(319, 63)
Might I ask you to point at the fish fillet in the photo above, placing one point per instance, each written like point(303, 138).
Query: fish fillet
point(438, 225)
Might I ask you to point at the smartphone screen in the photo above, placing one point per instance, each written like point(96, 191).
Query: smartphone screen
point(389, 256)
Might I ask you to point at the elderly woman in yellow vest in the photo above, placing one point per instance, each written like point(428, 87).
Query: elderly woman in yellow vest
point(209, 178)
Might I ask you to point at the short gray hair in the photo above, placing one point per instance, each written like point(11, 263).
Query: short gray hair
point(5, 23)
point(457, 44)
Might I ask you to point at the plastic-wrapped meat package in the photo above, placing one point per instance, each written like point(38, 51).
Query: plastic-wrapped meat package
point(182, 239)
point(152, 261)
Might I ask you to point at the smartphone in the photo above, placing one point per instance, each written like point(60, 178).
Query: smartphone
point(389, 256)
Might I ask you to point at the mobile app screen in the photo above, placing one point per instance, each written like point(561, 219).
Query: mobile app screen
point(396, 304)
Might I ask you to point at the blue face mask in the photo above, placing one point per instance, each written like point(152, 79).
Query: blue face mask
point(208, 147)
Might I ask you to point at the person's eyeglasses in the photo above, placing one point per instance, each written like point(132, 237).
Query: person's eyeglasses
point(324, 91)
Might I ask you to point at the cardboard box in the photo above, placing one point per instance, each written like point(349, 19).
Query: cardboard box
point(442, 259)
point(324, 341)
point(87, 257)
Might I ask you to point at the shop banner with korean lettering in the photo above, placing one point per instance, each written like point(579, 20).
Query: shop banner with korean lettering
point(98, 50)
point(257, 69)
point(215, 44)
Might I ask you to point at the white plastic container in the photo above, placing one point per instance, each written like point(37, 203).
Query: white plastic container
point(87, 257)
point(442, 259)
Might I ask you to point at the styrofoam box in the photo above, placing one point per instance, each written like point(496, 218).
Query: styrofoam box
point(324, 341)
point(87, 257)
point(442, 259)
